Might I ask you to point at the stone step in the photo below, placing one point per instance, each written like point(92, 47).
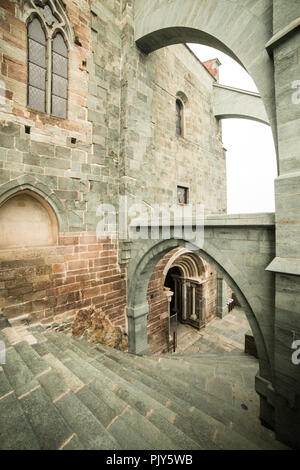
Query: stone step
point(159, 415)
point(128, 438)
point(256, 439)
point(199, 381)
point(62, 386)
point(207, 359)
point(49, 427)
point(163, 400)
point(118, 427)
point(102, 388)
point(18, 334)
point(260, 435)
point(208, 432)
point(15, 431)
point(122, 421)
point(194, 370)
point(222, 380)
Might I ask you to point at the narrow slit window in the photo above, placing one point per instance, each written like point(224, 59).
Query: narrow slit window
point(179, 118)
point(59, 96)
point(182, 195)
point(37, 70)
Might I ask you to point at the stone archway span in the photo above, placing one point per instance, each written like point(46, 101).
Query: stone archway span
point(139, 274)
point(238, 28)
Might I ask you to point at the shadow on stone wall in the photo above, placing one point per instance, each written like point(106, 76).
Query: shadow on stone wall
point(95, 326)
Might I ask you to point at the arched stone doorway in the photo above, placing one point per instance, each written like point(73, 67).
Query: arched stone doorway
point(185, 294)
point(140, 292)
point(186, 279)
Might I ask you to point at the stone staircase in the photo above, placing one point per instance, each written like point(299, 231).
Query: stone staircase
point(58, 392)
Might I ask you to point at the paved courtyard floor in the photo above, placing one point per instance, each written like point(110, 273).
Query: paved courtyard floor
point(219, 336)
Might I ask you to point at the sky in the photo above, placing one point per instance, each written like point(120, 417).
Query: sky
point(251, 157)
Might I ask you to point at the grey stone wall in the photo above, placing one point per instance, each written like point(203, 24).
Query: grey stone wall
point(154, 159)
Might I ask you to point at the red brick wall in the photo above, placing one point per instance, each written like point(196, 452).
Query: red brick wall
point(52, 283)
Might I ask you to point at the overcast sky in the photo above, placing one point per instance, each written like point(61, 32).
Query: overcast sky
point(251, 158)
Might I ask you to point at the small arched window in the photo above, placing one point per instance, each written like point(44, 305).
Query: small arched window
point(47, 63)
point(37, 70)
point(179, 118)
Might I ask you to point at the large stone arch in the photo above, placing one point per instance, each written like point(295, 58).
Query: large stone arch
point(34, 185)
point(238, 28)
point(139, 274)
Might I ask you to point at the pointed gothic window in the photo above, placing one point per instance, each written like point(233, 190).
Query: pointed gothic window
point(59, 76)
point(37, 71)
point(47, 62)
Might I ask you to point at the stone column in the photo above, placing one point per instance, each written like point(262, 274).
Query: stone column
point(176, 283)
point(184, 299)
point(193, 316)
point(222, 307)
point(137, 329)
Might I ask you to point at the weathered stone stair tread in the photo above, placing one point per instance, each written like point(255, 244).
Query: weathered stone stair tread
point(58, 382)
point(90, 348)
point(160, 416)
point(70, 394)
point(206, 359)
point(136, 420)
point(216, 379)
point(122, 432)
point(261, 435)
point(48, 425)
point(15, 431)
point(131, 421)
point(208, 432)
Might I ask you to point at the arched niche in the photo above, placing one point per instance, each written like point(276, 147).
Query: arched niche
point(27, 220)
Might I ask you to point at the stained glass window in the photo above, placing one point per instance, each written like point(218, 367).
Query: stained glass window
point(36, 66)
point(47, 79)
point(59, 77)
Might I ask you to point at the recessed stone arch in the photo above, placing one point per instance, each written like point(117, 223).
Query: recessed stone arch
point(39, 189)
point(26, 220)
point(190, 264)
